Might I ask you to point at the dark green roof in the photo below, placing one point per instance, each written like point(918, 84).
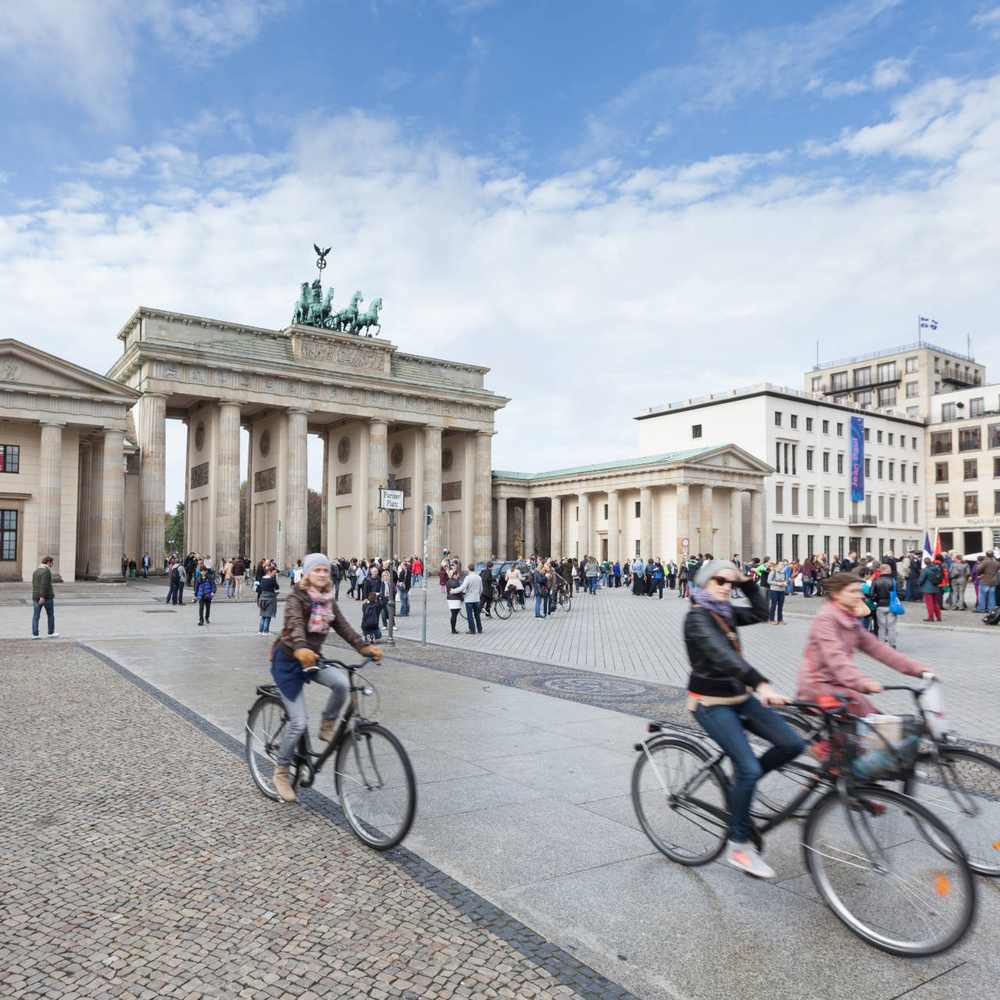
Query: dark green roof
point(623, 463)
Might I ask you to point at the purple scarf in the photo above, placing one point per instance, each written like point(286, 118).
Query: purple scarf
point(722, 608)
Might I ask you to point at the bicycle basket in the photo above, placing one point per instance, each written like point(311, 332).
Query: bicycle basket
point(882, 747)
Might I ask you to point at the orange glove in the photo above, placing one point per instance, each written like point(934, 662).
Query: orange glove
point(373, 651)
point(306, 657)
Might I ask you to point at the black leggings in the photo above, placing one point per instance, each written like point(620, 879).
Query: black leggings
point(454, 618)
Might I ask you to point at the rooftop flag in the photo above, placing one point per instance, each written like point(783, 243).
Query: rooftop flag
point(928, 323)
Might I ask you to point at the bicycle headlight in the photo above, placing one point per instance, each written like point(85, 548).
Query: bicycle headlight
point(368, 690)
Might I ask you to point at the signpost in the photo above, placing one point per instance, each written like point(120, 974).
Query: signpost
point(685, 543)
point(428, 517)
point(391, 500)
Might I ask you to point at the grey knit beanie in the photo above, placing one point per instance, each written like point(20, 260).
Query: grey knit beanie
point(312, 561)
point(710, 569)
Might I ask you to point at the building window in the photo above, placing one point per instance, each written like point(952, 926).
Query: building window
point(948, 413)
point(912, 389)
point(887, 396)
point(842, 400)
point(779, 547)
point(840, 430)
point(879, 465)
point(809, 459)
point(826, 461)
point(940, 442)
point(881, 510)
point(10, 459)
point(914, 444)
point(914, 471)
point(892, 471)
point(971, 504)
point(976, 407)
point(840, 504)
point(810, 502)
point(868, 468)
point(809, 423)
point(970, 468)
point(941, 505)
point(777, 418)
point(878, 437)
point(839, 383)
point(886, 372)
point(826, 503)
point(840, 464)
point(911, 365)
point(817, 383)
point(940, 472)
point(605, 512)
point(795, 454)
point(795, 501)
point(638, 508)
point(826, 426)
point(891, 436)
point(794, 420)
point(826, 544)
point(795, 546)
point(902, 510)
point(863, 398)
point(863, 376)
point(696, 430)
point(868, 434)
point(993, 435)
point(8, 530)
point(892, 515)
point(912, 411)
point(996, 501)
point(970, 438)
point(996, 467)
point(779, 499)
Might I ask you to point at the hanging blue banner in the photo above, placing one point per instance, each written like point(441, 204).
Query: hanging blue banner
point(857, 459)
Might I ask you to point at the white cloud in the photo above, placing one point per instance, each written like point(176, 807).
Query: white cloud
point(886, 74)
point(643, 286)
point(989, 21)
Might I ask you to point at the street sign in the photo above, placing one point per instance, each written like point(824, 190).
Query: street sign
point(428, 513)
point(390, 499)
point(685, 542)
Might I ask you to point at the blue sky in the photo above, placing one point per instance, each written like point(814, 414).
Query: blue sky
point(635, 201)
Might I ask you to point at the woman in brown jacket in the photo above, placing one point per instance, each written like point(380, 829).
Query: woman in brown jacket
point(309, 612)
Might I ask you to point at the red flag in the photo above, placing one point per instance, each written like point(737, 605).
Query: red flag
point(937, 542)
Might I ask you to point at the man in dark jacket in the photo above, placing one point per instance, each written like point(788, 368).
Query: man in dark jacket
point(43, 596)
point(486, 600)
point(880, 595)
point(912, 577)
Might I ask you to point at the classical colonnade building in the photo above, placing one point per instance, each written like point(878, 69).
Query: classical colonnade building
point(659, 506)
point(378, 411)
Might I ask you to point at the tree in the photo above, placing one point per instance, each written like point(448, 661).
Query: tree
point(173, 533)
point(314, 522)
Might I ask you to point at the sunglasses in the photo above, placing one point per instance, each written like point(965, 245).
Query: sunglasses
point(722, 580)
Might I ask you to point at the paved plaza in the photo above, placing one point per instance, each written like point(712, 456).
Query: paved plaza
point(145, 859)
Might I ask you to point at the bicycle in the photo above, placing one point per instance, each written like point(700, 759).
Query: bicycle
point(509, 602)
point(373, 776)
point(564, 599)
point(887, 866)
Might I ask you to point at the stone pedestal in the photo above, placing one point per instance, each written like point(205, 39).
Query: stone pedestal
point(152, 418)
point(227, 483)
point(378, 475)
point(482, 520)
point(614, 541)
point(555, 529)
point(50, 495)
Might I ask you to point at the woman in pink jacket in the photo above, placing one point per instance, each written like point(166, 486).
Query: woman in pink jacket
point(828, 667)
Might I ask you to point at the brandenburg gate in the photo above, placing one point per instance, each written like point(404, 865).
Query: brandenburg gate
point(377, 410)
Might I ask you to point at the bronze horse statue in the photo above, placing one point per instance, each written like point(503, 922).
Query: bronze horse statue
point(368, 319)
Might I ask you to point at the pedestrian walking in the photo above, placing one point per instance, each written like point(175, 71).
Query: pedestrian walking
point(929, 585)
point(777, 580)
point(472, 589)
point(267, 600)
point(592, 571)
point(453, 599)
point(958, 574)
point(175, 593)
point(43, 596)
point(146, 563)
point(204, 594)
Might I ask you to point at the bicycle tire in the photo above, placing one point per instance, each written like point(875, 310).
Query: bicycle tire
point(266, 723)
point(565, 602)
point(962, 788)
point(502, 609)
point(375, 785)
point(668, 822)
point(919, 868)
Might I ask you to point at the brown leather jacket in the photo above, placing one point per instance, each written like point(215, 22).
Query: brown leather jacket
point(295, 635)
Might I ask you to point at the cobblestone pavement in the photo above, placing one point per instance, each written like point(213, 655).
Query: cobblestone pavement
point(136, 865)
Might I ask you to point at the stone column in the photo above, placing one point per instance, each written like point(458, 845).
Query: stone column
point(111, 510)
point(152, 477)
point(324, 529)
point(94, 516)
point(555, 529)
point(226, 475)
point(83, 509)
point(50, 494)
point(683, 518)
point(294, 528)
point(705, 522)
point(613, 530)
point(481, 489)
point(378, 475)
point(583, 526)
point(501, 552)
point(736, 525)
point(646, 523)
point(529, 529)
point(756, 524)
point(432, 496)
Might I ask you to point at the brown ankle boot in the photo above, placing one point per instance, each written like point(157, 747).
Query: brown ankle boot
point(282, 785)
point(326, 729)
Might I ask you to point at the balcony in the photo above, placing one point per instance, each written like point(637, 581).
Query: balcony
point(862, 521)
point(872, 384)
point(957, 376)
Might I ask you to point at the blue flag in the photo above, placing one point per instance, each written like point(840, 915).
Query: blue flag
point(857, 459)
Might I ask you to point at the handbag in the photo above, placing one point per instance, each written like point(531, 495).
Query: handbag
point(895, 604)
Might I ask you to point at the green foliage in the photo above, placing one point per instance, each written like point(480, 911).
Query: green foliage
point(173, 534)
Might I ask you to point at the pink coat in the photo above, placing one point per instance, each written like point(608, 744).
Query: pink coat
point(828, 662)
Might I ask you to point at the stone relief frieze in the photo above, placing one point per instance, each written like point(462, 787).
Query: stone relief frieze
point(406, 485)
point(170, 371)
point(264, 479)
point(199, 475)
point(196, 375)
point(10, 370)
point(345, 484)
point(243, 380)
point(451, 491)
point(222, 378)
point(341, 354)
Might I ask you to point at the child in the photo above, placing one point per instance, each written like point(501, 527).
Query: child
point(371, 612)
point(204, 595)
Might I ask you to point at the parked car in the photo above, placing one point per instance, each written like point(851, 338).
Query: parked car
point(500, 569)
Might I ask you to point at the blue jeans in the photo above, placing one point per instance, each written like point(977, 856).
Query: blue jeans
point(592, 584)
point(987, 599)
point(298, 717)
point(541, 604)
point(911, 589)
point(230, 587)
point(472, 613)
point(404, 603)
point(777, 602)
point(49, 611)
point(725, 724)
point(265, 625)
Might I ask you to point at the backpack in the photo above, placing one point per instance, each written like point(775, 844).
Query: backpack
point(937, 574)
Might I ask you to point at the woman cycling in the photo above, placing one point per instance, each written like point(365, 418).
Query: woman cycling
point(827, 668)
point(308, 613)
point(722, 698)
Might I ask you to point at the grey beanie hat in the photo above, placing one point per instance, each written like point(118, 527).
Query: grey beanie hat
point(709, 569)
point(312, 561)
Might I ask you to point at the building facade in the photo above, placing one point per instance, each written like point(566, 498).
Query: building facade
point(806, 440)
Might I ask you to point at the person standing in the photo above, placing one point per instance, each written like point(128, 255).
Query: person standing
point(175, 595)
point(929, 584)
point(988, 569)
point(267, 600)
point(472, 588)
point(659, 578)
point(146, 562)
point(880, 594)
point(592, 572)
point(204, 593)
point(777, 580)
point(43, 596)
point(958, 574)
point(453, 599)
point(239, 572)
point(486, 601)
point(403, 583)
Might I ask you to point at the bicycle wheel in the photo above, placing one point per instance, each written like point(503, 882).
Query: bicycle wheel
point(962, 788)
point(375, 785)
point(265, 727)
point(890, 870)
point(502, 608)
point(681, 800)
point(565, 601)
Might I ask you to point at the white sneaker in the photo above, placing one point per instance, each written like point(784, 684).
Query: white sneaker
point(36, 637)
point(746, 858)
point(53, 635)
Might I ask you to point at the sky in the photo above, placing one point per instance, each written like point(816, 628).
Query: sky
point(611, 205)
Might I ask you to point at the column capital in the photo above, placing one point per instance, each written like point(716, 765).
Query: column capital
point(377, 420)
point(288, 409)
point(52, 423)
point(156, 395)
